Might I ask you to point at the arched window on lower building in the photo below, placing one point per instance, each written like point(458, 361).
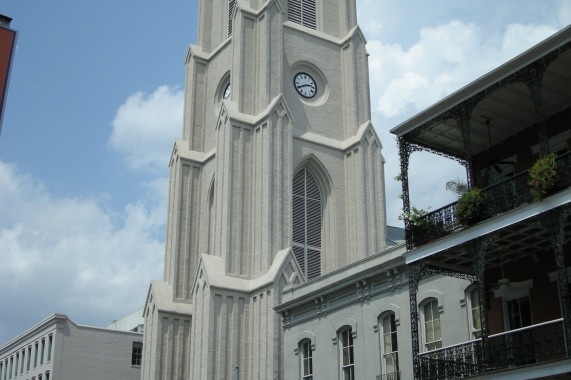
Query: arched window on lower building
point(306, 359)
point(307, 221)
point(389, 347)
point(347, 357)
point(431, 321)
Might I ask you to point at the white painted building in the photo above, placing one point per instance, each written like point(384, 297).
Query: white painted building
point(57, 348)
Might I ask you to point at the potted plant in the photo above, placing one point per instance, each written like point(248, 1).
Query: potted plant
point(543, 176)
point(470, 206)
point(423, 229)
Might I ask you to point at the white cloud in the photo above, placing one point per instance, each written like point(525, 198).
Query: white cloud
point(404, 81)
point(517, 37)
point(564, 12)
point(145, 127)
point(66, 255)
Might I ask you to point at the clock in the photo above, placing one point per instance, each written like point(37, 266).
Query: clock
point(226, 93)
point(305, 85)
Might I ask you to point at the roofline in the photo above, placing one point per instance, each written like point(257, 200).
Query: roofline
point(532, 54)
point(53, 320)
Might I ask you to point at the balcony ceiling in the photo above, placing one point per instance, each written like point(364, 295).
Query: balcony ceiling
point(507, 109)
point(524, 240)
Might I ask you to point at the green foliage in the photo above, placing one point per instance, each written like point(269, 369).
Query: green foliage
point(457, 186)
point(542, 176)
point(469, 206)
point(414, 216)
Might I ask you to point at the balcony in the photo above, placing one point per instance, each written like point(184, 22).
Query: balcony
point(526, 346)
point(389, 376)
point(500, 198)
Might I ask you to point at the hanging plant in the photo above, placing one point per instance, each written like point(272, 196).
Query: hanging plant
point(542, 176)
point(470, 206)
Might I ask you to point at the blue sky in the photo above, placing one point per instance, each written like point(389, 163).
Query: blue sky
point(95, 102)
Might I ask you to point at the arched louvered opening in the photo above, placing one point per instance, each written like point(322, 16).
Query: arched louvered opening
point(231, 5)
point(307, 220)
point(302, 12)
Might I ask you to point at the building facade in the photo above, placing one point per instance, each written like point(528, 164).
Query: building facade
point(8, 38)
point(510, 233)
point(278, 178)
point(58, 348)
point(481, 289)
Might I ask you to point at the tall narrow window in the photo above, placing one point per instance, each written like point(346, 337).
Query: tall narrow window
point(29, 358)
point(22, 361)
point(389, 347)
point(231, 6)
point(476, 322)
point(302, 12)
point(43, 350)
point(347, 357)
point(36, 350)
point(432, 335)
point(50, 343)
point(137, 353)
point(16, 366)
point(307, 360)
point(48, 375)
point(306, 222)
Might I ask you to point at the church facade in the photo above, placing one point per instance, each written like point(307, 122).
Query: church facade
point(278, 179)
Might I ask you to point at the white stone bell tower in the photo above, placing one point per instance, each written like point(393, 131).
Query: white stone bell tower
point(278, 178)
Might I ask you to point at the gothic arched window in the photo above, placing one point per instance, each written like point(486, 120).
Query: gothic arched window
point(306, 213)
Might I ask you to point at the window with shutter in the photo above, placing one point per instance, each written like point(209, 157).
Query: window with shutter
point(306, 214)
point(302, 12)
point(231, 5)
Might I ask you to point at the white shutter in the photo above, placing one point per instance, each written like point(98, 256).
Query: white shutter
point(306, 220)
point(302, 12)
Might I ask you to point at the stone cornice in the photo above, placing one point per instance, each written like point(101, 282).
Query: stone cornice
point(340, 42)
point(341, 145)
point(331, 282)
point(49, 323)
point(216, 277)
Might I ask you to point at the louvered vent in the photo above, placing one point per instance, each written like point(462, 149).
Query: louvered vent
point(231, 5)
point(306, 213)
point(302, 12)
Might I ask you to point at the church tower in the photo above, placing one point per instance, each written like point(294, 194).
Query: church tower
point(278, 178)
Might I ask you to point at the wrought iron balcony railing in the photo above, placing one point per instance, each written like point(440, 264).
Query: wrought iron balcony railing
point(534, 344)
point(500, 197)
point(389, 376)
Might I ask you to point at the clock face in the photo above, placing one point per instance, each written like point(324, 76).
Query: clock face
point(305, 85)
point(226, 93)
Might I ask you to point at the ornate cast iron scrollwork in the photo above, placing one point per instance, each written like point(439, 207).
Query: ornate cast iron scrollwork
point(554, 222)
point(500, 197)
point(414, 275)
point(531, 345)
